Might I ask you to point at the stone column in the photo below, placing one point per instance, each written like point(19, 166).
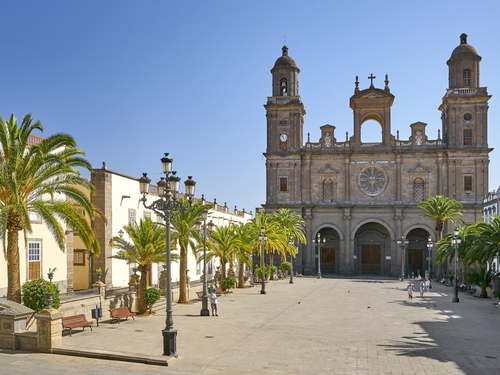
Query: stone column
point(49, 330)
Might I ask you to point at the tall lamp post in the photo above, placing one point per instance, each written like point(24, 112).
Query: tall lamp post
point(291, 243)
point(263, 239)
point(455, 240)
point(429, 247)
point(403, 243)
point(167, 207)
point(319, 244)
point(205, 232)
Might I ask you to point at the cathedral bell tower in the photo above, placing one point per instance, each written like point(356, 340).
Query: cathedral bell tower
point(284, 110)
point(464, 108)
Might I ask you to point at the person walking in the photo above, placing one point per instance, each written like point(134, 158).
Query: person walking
point(410, 290)
point(214, 302)
point(427, 284)
point(422, 288)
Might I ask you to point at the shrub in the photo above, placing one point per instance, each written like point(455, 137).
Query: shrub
point(229, 283)
point(150, 296)
point(286, 266)
point(267, 272)
point(33, 294)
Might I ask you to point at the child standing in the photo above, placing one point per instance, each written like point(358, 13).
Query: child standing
point(214, 302)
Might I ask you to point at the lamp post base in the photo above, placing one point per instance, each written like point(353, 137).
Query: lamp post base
point(204, 306)
point(319, 275)
point(204, 312)
point(170, 342)
point(455, 298)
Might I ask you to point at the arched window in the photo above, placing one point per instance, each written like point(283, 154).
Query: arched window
point(418, 190)
point(327, 190)
point(467, 74)
point(371, 132)
point(283, 87)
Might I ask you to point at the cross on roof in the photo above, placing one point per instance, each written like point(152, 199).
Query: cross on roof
point(372, 77)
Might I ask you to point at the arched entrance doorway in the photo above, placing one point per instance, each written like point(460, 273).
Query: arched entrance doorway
point(329, 263)
point(371, 243)
point(417, 259)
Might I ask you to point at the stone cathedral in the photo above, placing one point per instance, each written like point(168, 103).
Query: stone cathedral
point(363, 197)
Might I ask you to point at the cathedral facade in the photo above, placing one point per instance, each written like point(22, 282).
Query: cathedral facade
point(362, 198)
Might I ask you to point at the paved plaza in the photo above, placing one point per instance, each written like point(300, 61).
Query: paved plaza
point(314, 326)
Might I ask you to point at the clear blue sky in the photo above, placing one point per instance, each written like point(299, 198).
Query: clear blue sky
point(131, 80)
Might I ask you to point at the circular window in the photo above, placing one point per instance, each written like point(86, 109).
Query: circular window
point(372, 180)
point(467, 116)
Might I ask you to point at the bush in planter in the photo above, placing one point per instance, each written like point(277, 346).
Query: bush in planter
point(150, 296)
point(229, 283)
point(286, 266)
point(267, 272)
point(34, 297)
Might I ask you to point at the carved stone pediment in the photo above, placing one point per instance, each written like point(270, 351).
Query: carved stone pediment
point(327, 171)
point(419, 170)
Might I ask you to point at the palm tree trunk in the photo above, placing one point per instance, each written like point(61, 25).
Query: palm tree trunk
point(271, 263)
point(222, 273)
point(241, 280)
point(141, 305)
point(13, 276)
point(182, 277)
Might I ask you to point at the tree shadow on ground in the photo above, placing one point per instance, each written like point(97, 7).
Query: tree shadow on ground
point(462, 339)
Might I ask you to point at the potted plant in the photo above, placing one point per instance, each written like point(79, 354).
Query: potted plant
point(50, 274)
point(40, 294)
point(98, 272)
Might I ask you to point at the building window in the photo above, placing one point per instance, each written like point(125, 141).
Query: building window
point(35, 218)
point(131, 216)
point(467, 74)
point(467, 137)
point(283, 184)
point(418, 190)
point(34, 259)
point(147, 214)
point(327, 190)
point(79, 258)
point(468, 183)
point(283, 122)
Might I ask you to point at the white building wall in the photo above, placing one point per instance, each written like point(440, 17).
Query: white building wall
point(126, 198)
point(50, 257)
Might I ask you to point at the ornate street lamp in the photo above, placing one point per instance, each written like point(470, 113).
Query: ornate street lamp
point(291, 243)
point(429, 247)
point(404, 244)
point(167, 207)
point(455, 240)
point(205, 232)
point(263, 239)
point(319, 244)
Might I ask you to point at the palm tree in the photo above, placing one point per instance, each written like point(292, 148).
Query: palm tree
point(147, 247)
point(441, 209)
point(243, 251)
point(42, 178)
point(481, 275)
point(184, 234)
point(486, 244)
point(222, 244)
point(292, 225)
point(274, 235)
